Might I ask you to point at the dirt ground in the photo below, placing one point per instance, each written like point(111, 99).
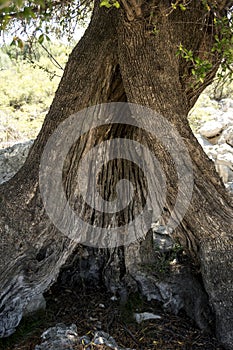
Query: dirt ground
point(94, 310)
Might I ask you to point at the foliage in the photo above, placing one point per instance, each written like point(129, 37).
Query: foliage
point(109, 3)
point(163, 261)
point(23, 104)
point(200, 67)
point(29, 81)
point(207, 105)
point(221, 89)
point(42, 18)
point(223, 44)
point(179, 4)
point(31, 67)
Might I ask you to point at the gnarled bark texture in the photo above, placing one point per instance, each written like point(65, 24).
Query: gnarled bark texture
point(122, 58)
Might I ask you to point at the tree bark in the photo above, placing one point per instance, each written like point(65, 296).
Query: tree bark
point(32, 249)
point(152, 77)
point(121, 58)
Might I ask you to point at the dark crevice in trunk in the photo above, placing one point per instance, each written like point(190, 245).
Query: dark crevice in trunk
point(118, 61)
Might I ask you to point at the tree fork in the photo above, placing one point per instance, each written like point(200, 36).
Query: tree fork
point(121, 62)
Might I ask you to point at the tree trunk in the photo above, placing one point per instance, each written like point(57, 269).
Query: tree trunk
point(152, 77)
point(121, 58)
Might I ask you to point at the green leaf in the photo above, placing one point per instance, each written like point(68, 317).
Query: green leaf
point(182, 7)
point(28, 13)
point(17, 41)
point(193, 71)
point(41, 39)
point(20, 43)
point(41, 3)
point(13, 43)
point(117, 4)
point(18, 3)
point(109, 3)
point(47, 37)
point(105, 3)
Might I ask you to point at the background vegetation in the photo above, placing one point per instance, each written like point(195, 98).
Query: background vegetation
point(208, 102)
point(29, 78)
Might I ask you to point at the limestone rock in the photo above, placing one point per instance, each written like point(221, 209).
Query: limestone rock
point(59, 337)
point(221, 149)
point(144, 316)
point(211, 129)
point(161, 239)
point(62, 337)
point(224, 162)
point(12, 158)
point(225, 104)
point(203, 141)
point(227, 136)
point(178, 290)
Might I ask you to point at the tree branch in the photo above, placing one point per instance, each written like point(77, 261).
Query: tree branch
point(39, 10)
point(128, 9)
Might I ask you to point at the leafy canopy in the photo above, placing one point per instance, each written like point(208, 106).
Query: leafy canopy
point(40, 18)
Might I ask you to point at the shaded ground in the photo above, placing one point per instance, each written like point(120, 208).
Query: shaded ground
point(94, 310)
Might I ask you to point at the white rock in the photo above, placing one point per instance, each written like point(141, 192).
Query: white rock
point(62, 337)
point(12, 158)
point(224, 162)
point(211, 151)
point(227, 117)
point(227, 136)
point(225, 151)
point(225, 104)
point(140, 317)
point(211, 129)
point(163, 243)
point(229, 186)
point(202, 140)
point(225, 172)
point(211, 112)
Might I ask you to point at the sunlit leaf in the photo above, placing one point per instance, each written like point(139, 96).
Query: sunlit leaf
point(105, 3)
point(182, 7)
point(116, 4)
point(41, 38)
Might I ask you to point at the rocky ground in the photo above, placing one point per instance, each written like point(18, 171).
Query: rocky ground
point(212, 123)
point(215, 134)
point(93, 311)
